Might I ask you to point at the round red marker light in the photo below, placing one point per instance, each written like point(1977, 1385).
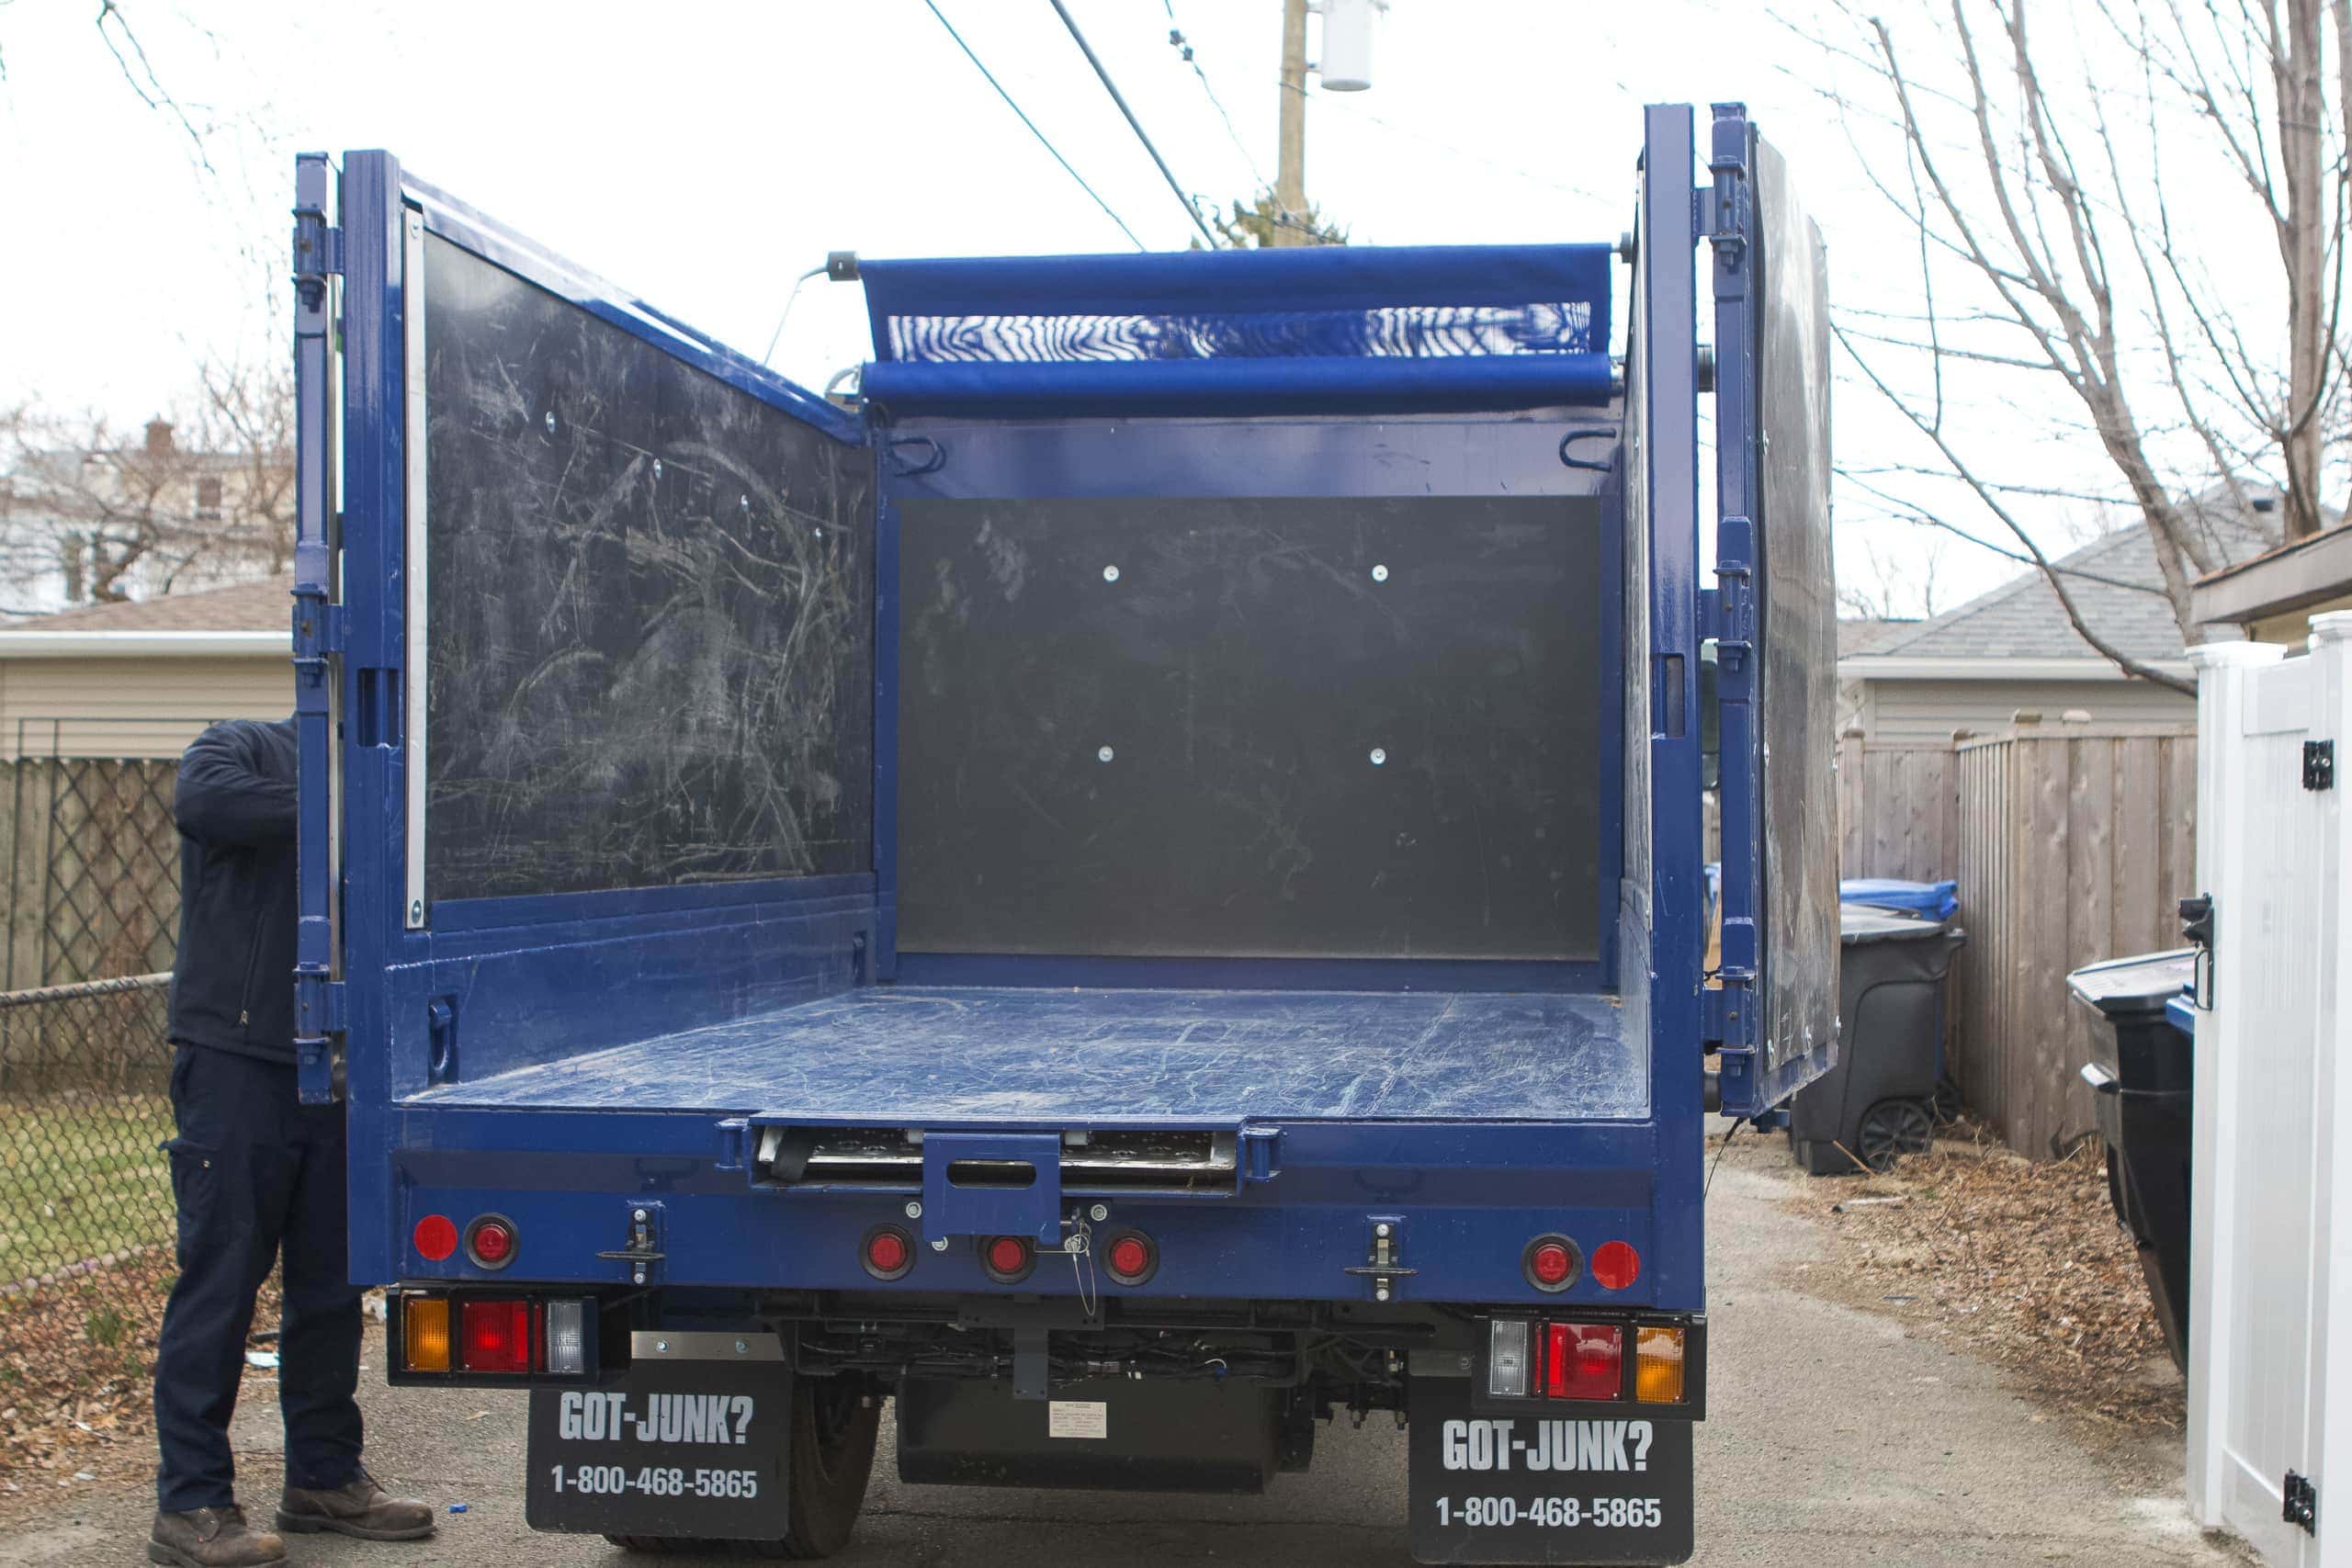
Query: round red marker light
point(490, 1242)
point(886, 1252)
point(1551, 1263)
point(1129, 1256)
point(1615, 1265)
point(435, 1237)
point(1008, 1255)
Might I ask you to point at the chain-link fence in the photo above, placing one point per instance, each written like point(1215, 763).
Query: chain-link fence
point(87, 1224)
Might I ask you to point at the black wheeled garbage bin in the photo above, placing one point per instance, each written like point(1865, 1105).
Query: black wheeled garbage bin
point(2142, 1070)
point(1877, 1104)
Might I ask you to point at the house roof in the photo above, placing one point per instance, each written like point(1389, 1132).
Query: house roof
point(261, 606)
point(1860, 634)
point(2115, 582)
point(2290, 577)
point(247, 619)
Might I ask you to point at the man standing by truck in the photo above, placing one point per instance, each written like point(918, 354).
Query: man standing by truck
point(257, 1175)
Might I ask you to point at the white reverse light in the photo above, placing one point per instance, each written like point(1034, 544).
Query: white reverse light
point(1506, 1358)
point(567, 1337)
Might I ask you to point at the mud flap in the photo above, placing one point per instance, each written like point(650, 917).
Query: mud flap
point(1546, 1490)
point(693, 1448)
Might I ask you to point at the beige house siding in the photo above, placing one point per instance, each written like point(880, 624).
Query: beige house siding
point(138, 706)
point(1931, 710)
point(2294, 627)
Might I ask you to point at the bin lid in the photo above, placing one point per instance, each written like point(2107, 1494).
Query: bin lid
point(2181, 1013)
point(2142, 983)
point(1867, 923)
point(1940, 899)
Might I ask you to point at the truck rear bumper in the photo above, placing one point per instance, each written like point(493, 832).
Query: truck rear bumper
point(1345, 1212)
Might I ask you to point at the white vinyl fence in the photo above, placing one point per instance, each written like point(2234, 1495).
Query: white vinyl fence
point(2270, 1353)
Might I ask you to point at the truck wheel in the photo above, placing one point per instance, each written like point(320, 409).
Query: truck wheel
point(1892, 1129)
point(832, 1456)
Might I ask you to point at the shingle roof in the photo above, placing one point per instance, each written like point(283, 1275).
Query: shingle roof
point(2115, 582)
point(1864, 634)
point(260, 606)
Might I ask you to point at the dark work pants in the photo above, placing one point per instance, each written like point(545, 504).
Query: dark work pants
point(255, 1171)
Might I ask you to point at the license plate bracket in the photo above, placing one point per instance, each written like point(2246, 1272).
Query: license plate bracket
point(679, 1446)
point(1548, 1488)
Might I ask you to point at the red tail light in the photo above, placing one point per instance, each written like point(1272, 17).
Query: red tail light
point(1583, 1361)
point(1615, 1265)
point(1007, 1258)
point(489, 1242)
point(1550, 1263)
point(495, 1336)
point(888, 1252)
point(1131, 1258)
point(435, 1237)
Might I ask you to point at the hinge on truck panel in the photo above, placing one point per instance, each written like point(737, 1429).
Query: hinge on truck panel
point(2300, 1505)
point(318, 254)
point(1734, 594)
point(318, 1016)
point(1384, 1262)
point(318, 633)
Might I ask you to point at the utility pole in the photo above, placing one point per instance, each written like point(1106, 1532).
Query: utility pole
point(1290, 178)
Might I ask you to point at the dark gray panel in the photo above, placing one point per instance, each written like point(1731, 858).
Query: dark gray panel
point(1242, 670)
point(1798, 675)
point(650, 611)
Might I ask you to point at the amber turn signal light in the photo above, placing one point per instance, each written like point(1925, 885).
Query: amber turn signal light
point(425, 1334)
point(1658, 1366)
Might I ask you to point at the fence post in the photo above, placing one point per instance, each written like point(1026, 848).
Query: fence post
point(2221, 680)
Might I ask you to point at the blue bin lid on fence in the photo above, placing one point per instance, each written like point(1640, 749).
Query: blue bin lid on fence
point(1940, 899)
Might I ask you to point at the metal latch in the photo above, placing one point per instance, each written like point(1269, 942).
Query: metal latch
point(2197, 927)
point(2318, 764)
point(1384, 1262)
point(644, 1248)
point(2302, 1503)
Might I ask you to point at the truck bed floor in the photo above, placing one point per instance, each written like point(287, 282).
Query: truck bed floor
point(919, 1055)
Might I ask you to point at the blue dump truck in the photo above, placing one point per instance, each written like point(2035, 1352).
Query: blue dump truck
point(1130, 888)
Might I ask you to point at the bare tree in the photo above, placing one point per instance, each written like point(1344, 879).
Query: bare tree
point(2061, 184)
point(1887, 586)
point(93, 514)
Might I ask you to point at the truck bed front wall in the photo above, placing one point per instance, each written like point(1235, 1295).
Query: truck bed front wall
point(1462, 1202)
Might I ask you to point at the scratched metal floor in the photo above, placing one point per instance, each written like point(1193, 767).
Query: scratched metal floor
point(920, 1055)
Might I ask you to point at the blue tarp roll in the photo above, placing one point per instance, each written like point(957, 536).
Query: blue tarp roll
point(1940, 899)
point(1322, 328)
point(1213, 283)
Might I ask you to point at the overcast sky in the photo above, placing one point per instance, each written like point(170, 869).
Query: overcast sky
point(703, 154)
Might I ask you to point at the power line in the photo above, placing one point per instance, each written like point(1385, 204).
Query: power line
point(1042, 138)
point(1177, 40)
point(1191, 210)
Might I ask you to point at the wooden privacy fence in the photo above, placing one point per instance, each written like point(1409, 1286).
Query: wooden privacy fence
point(2071, 844)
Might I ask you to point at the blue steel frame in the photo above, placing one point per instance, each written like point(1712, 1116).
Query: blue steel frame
point(470, 992)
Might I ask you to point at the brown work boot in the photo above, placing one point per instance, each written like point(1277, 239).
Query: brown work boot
point(212, 1538)
point(360, 1508)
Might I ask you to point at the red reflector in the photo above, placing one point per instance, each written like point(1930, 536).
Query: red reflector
point(1583, 1361)
point(886, 1252)
point(492, 1241)
point(435, 1237)
point(1615, 1265)
point(496, 1336)
point(1008, 1255)
point(1129, 1256)
point(1550, 1263)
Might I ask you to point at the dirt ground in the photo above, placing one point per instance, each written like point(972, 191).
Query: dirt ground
point(1928, 1382)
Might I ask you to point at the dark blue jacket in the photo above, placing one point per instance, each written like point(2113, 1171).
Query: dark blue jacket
point(232, 988)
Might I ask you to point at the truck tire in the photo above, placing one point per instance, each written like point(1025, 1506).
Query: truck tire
point(832, 1456)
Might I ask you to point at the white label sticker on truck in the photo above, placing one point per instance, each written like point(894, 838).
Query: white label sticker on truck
point(1077, 1419)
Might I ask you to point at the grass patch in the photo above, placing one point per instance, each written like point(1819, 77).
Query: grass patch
point(81, 1178)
